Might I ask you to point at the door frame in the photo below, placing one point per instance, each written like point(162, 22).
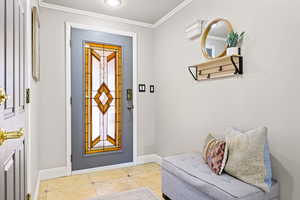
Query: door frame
point(133, 35)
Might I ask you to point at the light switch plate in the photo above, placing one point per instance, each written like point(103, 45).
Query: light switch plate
point(152, 89)
point(142, 87)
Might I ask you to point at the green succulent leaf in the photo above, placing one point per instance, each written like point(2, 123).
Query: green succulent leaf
point(234, 39)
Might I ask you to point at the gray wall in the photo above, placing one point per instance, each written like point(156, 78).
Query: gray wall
point(268, 93)
point(186, 111)
point(52, 93)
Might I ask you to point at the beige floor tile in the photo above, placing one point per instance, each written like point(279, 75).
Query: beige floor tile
point(71, 182)
point(114, 186)
point(84, 187)
point(69, 196)
point(43, 190)
point(42, 198)
point(82, 193)
point(157, 192)
point(107, 175)
point(141, 169)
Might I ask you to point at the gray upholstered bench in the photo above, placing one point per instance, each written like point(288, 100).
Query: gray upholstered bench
point(187, 177)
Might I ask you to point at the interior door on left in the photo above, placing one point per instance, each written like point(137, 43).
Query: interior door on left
point(12, 105)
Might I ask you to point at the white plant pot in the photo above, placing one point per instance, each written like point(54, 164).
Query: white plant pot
point(233, 51)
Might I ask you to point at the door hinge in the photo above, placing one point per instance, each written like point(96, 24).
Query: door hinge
point(71, 100)
point(28, 96)
point(28, 197)
point(71, 158)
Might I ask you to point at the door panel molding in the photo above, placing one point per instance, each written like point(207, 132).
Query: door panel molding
point(2, 43)
point(133, 35)
point(9, 65)
point(12, 49)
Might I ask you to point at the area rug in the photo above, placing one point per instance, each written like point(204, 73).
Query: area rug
point(138, 194)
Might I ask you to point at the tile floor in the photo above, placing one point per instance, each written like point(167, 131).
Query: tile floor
point(87, 186)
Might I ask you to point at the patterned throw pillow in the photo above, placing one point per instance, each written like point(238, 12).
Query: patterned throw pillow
point(215, 154)
point(208, 139)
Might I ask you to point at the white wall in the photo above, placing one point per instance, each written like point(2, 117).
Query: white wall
point(52, 93)
point(268, 93)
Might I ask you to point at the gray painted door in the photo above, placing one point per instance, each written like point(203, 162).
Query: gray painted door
point(102, 119)
point(12, 110)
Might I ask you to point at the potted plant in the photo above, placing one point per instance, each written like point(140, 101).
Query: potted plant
point(234, 41)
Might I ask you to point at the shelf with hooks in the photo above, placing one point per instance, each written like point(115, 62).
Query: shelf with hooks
point(217, 68)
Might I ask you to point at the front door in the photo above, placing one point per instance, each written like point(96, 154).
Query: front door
point(102, 119)
point(12, 101)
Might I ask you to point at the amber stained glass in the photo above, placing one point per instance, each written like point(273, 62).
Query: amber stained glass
point(103, 92)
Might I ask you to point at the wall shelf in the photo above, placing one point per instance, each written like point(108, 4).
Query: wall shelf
point(217, 68)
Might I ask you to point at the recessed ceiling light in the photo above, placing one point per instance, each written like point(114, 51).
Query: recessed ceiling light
point(113, 3)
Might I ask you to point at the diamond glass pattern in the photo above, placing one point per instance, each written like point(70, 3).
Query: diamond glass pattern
point(103, 91)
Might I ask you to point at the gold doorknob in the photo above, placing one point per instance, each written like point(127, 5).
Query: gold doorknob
point(3, 96)
point(8, 135)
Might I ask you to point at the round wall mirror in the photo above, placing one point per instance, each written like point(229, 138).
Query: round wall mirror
point(213, 42)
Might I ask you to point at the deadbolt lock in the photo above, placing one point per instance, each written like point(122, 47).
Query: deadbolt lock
point(3, 96)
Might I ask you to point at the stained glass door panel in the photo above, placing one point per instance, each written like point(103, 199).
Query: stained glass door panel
point(103, 92)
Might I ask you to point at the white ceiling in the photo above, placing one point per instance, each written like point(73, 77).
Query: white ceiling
point(148, 11)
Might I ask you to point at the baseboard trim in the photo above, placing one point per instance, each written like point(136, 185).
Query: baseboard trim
point(62, 171)
point(149, 158)
point(97, 169)
point(46, 174)
point(140, 160)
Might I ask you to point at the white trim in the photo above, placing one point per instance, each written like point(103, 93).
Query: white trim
point(97, 169)
point(37, 188)
point(172, 13)
point(100, 28)
point(165, 18)
point(68, 86)
point(135, 98)
point(28, 143)
point(94, 14)
point(46, 174)
point(62, 171)
point(68, 98)
point(149, 159)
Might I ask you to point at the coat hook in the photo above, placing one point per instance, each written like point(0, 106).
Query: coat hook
point(221, 68)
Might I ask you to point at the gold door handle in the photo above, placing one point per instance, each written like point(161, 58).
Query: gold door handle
point(3, 96)
point(8, 135)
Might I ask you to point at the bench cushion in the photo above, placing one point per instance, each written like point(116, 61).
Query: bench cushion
point(192, 169)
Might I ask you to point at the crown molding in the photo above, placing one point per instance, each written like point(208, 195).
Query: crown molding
point(93, 14)
point(172, 13)
point(116, 19)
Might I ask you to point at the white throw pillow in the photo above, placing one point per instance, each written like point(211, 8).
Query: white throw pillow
point(249, 157)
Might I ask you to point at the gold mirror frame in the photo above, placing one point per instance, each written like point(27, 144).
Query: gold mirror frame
point(205, 35)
